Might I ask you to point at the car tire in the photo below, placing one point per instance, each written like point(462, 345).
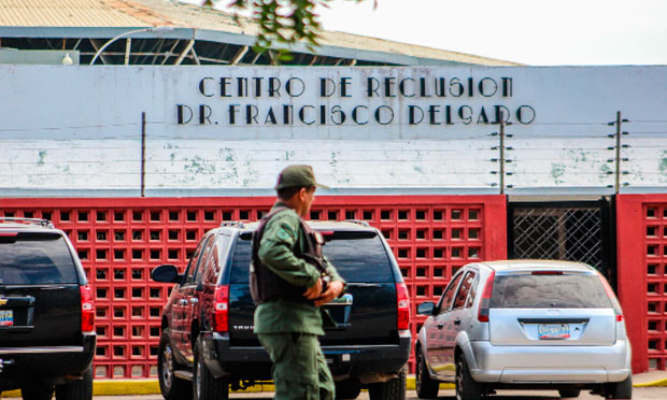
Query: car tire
point(172, 388)
point(466, 387)
point(393, 389)
point(37, 391)
point(427, 388)
point(347, 390)
point(569, 393)
point(204, 385)
point(77, 390)
point(620, 390)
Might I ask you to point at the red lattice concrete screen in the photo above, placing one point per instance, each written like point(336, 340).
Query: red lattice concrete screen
point(121, 240)
point(642, 276)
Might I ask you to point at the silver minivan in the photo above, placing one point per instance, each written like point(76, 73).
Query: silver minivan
point(524, 324)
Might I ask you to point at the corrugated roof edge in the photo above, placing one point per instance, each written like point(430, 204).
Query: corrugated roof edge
point(339, 39)
point(210, 24)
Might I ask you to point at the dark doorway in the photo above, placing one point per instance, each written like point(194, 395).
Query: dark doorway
point(563, 230)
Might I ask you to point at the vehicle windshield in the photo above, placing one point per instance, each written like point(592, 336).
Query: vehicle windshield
point(356, 258)
point(35, 259)
point(549, 291)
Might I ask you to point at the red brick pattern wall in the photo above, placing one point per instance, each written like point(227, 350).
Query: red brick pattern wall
point(642, 276)
point(121, 240)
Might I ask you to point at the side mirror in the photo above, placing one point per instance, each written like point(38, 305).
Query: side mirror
point(426, 308)
point(166, 273)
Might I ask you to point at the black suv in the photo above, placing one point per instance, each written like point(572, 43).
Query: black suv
point(47, 338)
point(207, 324)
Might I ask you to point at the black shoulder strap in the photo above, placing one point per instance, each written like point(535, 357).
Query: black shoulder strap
point(259, 232)
point(313, 253)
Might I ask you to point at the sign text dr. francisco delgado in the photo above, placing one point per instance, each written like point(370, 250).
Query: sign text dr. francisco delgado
point(354, 101)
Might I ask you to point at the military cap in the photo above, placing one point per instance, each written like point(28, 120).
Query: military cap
point(297, 176)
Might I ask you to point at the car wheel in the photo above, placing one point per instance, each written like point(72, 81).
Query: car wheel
point(569, 393)
point(466, 387)
point(204, 385)
point(427, 388)
point(77, 390)
point(37, 391)
point(172, 388)
point(391, 390)
point(347, 390)
point(620, 390)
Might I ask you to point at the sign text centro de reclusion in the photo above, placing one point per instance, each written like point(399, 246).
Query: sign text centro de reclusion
point(349, 101)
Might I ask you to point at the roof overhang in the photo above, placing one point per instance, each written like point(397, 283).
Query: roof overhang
point(218, 37)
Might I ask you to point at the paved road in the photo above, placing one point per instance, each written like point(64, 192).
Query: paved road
point(638, 394)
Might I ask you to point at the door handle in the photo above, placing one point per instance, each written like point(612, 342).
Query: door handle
point(457, 322)
point(194, 300)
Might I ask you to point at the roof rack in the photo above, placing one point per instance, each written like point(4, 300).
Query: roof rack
point(232, 223)
point(358, 222)
point(28, 221)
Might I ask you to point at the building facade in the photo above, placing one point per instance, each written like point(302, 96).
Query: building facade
point(452, 164)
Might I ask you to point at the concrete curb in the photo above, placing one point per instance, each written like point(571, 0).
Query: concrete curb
point(121, 387)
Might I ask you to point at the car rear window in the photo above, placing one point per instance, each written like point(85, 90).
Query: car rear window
point(357, 258)
point(35, 259)
point(549, 291)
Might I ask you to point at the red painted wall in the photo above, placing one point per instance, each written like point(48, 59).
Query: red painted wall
point(121, 240)
point(642, 276)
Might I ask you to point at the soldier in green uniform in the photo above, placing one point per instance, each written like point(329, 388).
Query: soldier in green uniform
point(290, 280)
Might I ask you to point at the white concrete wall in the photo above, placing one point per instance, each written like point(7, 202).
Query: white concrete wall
point(77, 131)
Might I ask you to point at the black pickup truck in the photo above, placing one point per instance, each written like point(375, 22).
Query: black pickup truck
point(207, 324)
point(47, 338)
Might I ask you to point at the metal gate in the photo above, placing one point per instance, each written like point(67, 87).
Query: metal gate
point(564, 230)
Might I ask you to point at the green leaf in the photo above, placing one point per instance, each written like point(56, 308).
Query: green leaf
point(287, 22)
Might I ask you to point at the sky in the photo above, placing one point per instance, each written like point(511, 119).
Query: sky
point(534, 32)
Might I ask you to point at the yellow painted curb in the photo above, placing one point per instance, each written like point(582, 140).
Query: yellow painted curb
point(120, 387)
point(410, 384)
point(659, 383)
point(116, 387)
point(123, 387)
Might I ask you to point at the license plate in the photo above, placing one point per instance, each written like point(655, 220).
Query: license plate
point(550, 332)
point(6, 318)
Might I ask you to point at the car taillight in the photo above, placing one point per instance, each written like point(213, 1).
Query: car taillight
point(485, 304)
point(221, 309)
point(403, 307)
point(87, 309)
point(612, 297)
